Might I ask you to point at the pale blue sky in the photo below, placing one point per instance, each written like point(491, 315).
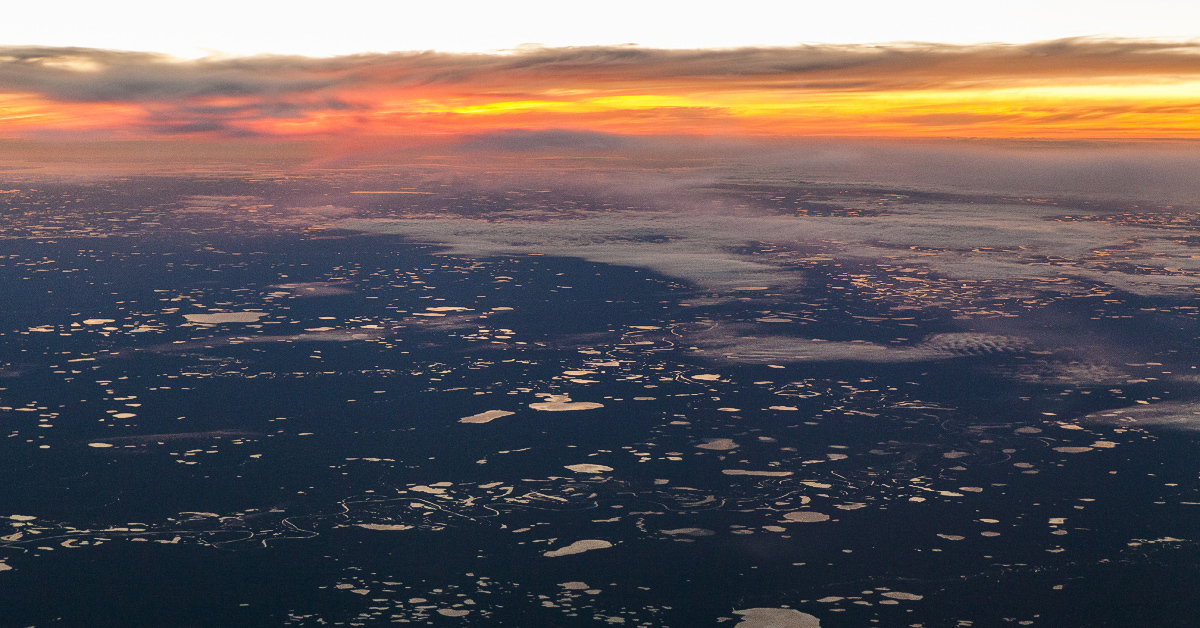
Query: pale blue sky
point(190, 28)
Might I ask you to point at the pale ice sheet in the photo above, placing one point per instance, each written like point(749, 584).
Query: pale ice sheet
point(563, 403)
point(578, 547)
point(806, 516)
point(588, 468)
point(776, 618)
point(224, 317)
point(768, 474)
point(718, 444)
point(484, 417)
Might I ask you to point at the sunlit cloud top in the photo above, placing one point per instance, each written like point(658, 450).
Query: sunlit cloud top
point(390, 70)
point(1075, 88)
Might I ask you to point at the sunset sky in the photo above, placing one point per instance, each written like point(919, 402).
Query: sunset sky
point(417, 72)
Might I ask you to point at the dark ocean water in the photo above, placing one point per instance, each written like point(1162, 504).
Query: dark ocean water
point(218, 419)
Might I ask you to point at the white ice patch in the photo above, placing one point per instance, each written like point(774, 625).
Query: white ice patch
point(563, 403)
point(484, 417)
point(225, 317)
point(588, 468)
point(768, 474)
point(717, 444)
point(776, 618)
point(383, 526)
point(900, 595)
point(806, 516)
point(1072, 450)
point(578, 547)
point(100, 445)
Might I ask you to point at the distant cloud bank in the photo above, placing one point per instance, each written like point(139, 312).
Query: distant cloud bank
point(1064, 89)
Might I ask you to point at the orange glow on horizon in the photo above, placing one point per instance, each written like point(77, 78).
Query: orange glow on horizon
point(1086, 111)
point(1069, 90)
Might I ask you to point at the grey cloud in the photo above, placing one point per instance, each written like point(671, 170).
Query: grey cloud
point(690, 248)
point(89, 75)
point(727, 344)
point(1169, 414)
point(697, 242)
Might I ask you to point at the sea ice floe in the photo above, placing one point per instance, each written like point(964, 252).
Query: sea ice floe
point(383, 526)
point(563, 403)
point(900, 595)
point(769, 474)
point(588, 468)
point(484, 417)
point(806, 516)
point(225, 317)
point(578, 547)
point(776, 618)
point(717, 444)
